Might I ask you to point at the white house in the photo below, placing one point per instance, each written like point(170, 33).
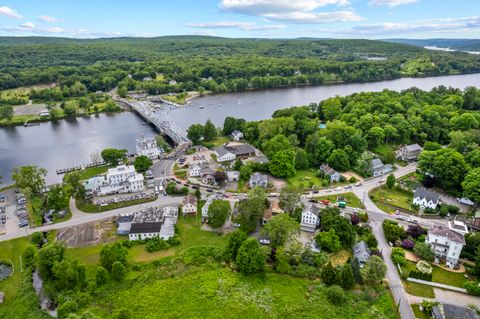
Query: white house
point(446, 244)
point(258, 179)
point(237, 135)
point(425, 198)
point(207, 204)
point(139, 231)
point(233, 176)
point(189, 205)
point(377, 167)
point(224, 155)
point(458, 226)
point(147, 146)
point(327, 170)
point(120, 179)
point(310, 219)
point(194, 170)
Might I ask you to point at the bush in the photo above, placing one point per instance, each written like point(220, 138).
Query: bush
point(118, 271)
point(419, 275)
point(156, 244)
point(335, 295)
point(472, 288)
point(101, 276)
point(398, 256)
point(408, 243)
point(353, 179)
point(66, 308)
point(424, 267)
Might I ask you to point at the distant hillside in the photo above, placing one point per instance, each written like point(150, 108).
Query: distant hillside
point(456, 44)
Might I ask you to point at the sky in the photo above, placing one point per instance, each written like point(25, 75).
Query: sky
point(372, 19)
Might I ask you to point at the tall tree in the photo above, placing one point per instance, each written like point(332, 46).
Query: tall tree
point(209, 131)
point(280, 228)
point(374, 270)
point(250, 258)
point(142, 163)
point(32, 177)
point(195, 133)
point(218, 212)
point(113, 156)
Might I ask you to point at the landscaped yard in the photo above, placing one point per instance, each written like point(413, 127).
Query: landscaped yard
point(305, 179)
point(351, 198)
point(392, 196)
point(418, 313)
point(92, 171)
point(420, 290)
point(89, 207)
point(386, 152)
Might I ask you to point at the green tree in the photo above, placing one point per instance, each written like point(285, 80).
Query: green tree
point(280, 228)
point(424, 251)
point(82, 276)
point(101, 276)
point(250, 211)
point(111, 253)
point(112, 155)
point(250, 257)
point(301, 159)
point(329, 241)
point(339, 160)
point(235, 240)
point(31, 177)
point(66, 308)
point(471, 185)
point(73, 179)
point(331, 108)
point(118, 271)
point(209, 131)
point(375, 136)
point(6, 113)
point(55, 113)
point(57, 198)
point(48, 257)
point(289, 199)
point(331, 219)
point(195, 133)
point(374, 270)
point(390, 181)
point(70, 111)
point(29, 255)
point(218, 212)
point(122, 91)
point(142, 163)
point(328, 274)
point(282, 164)
point(276, 144)
point(335, 295)
point(245, 172)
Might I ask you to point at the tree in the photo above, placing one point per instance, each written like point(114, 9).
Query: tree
point(218, 212)
point(48, 257)
point(329, 241)
point(142, 163)
point(70, 111)
point(245, 172)
point(471, 185)
point(220, 176)
point(280, 228)
point(57, 198)
point(331, 108)
point(331, 219)
point(424, 251)
point(390, 181)
point(209, 131)
point(375, 136)
point(345, 277)
point(335, 295)
point(374, 270)
point(250, 257)
point(6, 113)
point(415, 231)
point(235, 240)
point(32, 177)
point(55, 113)
point(66, 308)
point(73, 179)
point(101, 276)
point(282, 164)
point(301, 159)
point(111, 253)
point(328, 274)
point(118, 271)
point(289, 199)
point(112, 155)
point(29, 255)
point(339, 160)
point(276, 144)
point(195, 133)
point(122, 91)
point(250, 211)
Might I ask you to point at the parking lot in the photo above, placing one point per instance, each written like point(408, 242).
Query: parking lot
point(121, 198)
point(13, 211)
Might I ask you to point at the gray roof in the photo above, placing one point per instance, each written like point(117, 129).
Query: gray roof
point(377, 163)
point(327, 169)
point(427, 194)
point(190, 199)
point(440, 230)
point(361, 248)
point(240, 149)
point(315, 210)
point(413, 148)
point(140, 228)
point(237, 132)
point(447, 311)
point(221, 151)
point(258, 177)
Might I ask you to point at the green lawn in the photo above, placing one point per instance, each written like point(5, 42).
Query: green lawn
point(418, 313)
point(91, 172)
point(420, 290)
point(180, 173)
point(394, 196)
point(305, 179)
point(351, 198)
point(446, 277)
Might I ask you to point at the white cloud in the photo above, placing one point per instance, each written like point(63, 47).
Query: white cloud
point(32, 28)
point(48, 19)
point(27, 25)
point(246, 26)
point(85, 33)
point(9, 12)
point(298, 11)
point(390, 3)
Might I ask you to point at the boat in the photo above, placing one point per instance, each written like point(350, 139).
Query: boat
point(202, 107)
point(220, 106)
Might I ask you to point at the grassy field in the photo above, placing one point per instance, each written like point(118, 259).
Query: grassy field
point(93, 171)
point(443, 276)
point(20, 299)
point(386, 152)
point(340, 257)
point(305, 179)
point(420, 290)
point(394, 196)
point(351, 198)
point(418, 313)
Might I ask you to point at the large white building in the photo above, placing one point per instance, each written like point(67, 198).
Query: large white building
point(120, 179)
point(147, 146)
point(425, 198)
point(310, 219)
point(446, 243)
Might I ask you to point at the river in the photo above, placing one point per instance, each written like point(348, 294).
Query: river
point(70, 143)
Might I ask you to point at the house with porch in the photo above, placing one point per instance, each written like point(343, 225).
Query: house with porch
point(446, 243)
point(327, 170)
point(310, 219)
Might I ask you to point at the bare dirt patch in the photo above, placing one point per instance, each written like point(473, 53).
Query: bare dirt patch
point(88, 234)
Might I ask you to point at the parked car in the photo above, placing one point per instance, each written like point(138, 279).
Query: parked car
point(264, 241)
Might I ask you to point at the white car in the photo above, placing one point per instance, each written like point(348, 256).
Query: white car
point(236, 225)
point(264, 241)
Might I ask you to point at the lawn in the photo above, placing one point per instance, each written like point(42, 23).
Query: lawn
point(180, 173)
point(351, 198)
point(88, 207)
point(418, 313)
point(386, 152)
point(212, 291)
point(340, 257)
point(91, 172)
point(392, 196)
point(420, 290)
point(446, 277)
point(20, 299)
point(305, 179)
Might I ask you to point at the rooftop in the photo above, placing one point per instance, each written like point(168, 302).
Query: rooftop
point(413, 148)
point(440, 230)
point(140, 228)
point(427, 194)
point(190, 199)
point(377, 163)
point(327, 169)
point(258, 177)
point(240, 149)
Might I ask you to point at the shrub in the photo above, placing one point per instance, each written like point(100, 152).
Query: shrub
point(66, 308)
point(118, 271)
point(398, 256)
point(419, 275)
point(335, 295)
point(101, 276)
point(354, 219)
point(424, 267)
point(424, 251)
point(156, 244)
point(353, 179)
point(472, 288)
point(408, 243)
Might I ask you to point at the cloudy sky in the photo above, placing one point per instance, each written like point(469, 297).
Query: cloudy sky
point(242, 18)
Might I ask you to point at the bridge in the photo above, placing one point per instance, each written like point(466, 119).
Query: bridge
point(160, 119)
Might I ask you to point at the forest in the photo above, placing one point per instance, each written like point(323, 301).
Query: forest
point(188, 63)
point(445, 121)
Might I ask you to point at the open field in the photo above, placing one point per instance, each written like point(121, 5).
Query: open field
point(305, 179)
point(392, 196)
point(351, 198)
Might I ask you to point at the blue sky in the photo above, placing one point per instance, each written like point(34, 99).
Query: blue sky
point(242, 18)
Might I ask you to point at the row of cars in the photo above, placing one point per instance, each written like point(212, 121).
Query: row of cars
point(3, 210)
point(21, 210)
point(125, 198)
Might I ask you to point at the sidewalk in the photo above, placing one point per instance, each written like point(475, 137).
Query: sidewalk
point(437, 285)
